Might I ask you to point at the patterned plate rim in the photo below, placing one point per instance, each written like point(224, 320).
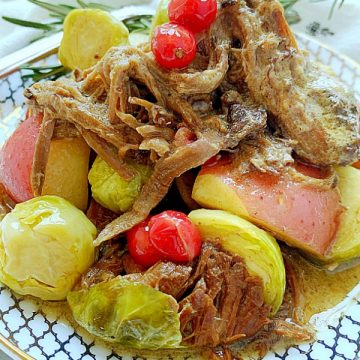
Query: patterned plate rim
point(345, 57)
point(12, 348)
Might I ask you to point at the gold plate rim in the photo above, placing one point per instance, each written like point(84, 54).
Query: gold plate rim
point(14, 349)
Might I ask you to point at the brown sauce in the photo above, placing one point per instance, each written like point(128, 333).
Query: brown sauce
point(322, 289)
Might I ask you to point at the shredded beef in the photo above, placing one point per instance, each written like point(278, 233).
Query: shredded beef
point(99, 215)
point(226, 303)
point(109, 265)
point(167, 277)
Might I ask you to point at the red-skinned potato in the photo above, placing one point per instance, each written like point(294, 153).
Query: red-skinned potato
point(16, 159)
point(356, 164)
point(301, 214)
point(66, 171)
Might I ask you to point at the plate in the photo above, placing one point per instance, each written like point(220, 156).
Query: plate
point(33, 329)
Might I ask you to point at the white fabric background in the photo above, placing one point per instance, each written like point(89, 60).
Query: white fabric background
point(345, 23)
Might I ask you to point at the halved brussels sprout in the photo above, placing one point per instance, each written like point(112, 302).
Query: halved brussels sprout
point(161, 15)
point(260, 250)
point(46, 243)
point(132, 314)
point(88, 35)
point(112, 191)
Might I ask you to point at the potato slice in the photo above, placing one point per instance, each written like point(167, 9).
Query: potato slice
point(347, 243)
point(259, 250)
point(88, 35)
point(302, 215)
point(67, 170)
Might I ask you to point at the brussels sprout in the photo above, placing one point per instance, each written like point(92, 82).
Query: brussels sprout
point(88, 35)
point(161, 15)
point(260, 250)
point(132, 314)
point(347, 243)
point(46, 243)
point(112, 191)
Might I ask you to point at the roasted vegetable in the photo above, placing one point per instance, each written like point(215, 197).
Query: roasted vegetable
point(88, 35)
point(132, 314)
point(112, 191)
point(67, 171)
point(298, 212)
point(260, 250)
point(46, 243)
point(16, 159)
point(161, 15)
point(347, 243)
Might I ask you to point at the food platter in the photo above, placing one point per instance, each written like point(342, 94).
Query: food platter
point(32, 329)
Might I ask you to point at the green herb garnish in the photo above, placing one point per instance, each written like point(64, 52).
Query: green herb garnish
point(38, 73)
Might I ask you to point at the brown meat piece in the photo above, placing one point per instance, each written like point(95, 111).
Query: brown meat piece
point(165, 171)
point(226, 303)
point(41, 154)
point(6, 203)
point(99, 215)
point(109, 265)
point(167, 277)
point(311, 105)
point(65, 130)
point(244, 117)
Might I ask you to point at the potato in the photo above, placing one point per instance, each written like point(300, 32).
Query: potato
point(347, 244)
point(16, 159)
point(67, 170)
point(299, 214)
point(88, 35)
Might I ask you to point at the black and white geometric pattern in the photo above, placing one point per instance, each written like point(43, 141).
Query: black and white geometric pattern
point(46, 332)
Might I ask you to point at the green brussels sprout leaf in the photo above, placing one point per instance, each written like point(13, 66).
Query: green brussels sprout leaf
point(129, 313)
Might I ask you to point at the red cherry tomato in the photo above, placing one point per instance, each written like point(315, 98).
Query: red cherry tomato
point(196, 15)
point(175, 236)
point(140, 248)
point(173, 46)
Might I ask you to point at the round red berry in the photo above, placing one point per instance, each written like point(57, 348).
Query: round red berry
point(196, 15)
point(173, 46)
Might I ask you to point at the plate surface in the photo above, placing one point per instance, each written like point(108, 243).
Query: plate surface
point(32, 329)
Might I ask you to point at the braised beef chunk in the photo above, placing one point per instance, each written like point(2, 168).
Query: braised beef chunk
point(109, 265)
point(226, 303)
point(99, 215)
point(167, 277)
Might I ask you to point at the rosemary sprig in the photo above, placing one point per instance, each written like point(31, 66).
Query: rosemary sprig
point(31, 24)
point(138, 23)
point(93, 5)
point(59, 12)
point(38, 73)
